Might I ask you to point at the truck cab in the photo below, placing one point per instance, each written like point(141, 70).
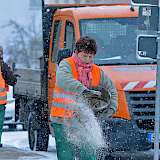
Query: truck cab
point(116, 29)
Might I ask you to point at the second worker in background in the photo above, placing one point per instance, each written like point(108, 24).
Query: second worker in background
point(6, 78)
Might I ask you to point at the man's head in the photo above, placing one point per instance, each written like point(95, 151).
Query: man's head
point(86, 49)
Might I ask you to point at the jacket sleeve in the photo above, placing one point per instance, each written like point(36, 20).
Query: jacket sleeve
point(65, 79)
point(107, 83)
point(8, 75)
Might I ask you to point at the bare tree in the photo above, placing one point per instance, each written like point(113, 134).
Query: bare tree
point(24, 44)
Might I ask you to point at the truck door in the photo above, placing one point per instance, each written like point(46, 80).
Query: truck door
point(54, 46)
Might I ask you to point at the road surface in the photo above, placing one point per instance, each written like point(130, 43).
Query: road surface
point(15, 147)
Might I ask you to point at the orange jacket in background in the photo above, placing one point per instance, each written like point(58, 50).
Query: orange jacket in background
point(3, 90)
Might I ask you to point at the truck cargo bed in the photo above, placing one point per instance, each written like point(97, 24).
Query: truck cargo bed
point(29, 82)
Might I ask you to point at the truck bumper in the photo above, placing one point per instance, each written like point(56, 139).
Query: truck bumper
point(128, 155)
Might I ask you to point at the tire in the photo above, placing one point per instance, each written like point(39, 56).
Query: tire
point(38, 136)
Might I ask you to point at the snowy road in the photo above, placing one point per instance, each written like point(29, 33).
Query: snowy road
point(15, 147)
point(15, 144)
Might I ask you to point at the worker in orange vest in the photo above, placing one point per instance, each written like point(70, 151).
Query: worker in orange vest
point(77, 76)
point(6, 78)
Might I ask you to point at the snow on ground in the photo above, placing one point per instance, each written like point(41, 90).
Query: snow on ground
point(19, 140)
point(15, 144)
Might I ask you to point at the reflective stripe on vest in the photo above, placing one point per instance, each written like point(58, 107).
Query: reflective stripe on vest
point(3, 96)
point(2, 89)
point(61, 99)
point(63, 103)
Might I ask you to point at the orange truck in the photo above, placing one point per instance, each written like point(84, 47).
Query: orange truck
point(117, 26)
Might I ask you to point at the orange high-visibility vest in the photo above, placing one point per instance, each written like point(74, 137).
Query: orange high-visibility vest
point(63, 101)
point(3, 92)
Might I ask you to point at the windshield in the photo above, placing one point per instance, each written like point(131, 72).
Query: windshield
point(117, 38)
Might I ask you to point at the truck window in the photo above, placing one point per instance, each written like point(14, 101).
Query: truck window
point(69, 36)
point(56, 39)
point(117, 37)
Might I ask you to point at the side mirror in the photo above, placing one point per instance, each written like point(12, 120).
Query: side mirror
point(147, 47)
point(151, 2)
point(63, 53)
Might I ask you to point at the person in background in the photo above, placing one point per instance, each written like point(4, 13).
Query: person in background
point(78, 75)
point(6, 78)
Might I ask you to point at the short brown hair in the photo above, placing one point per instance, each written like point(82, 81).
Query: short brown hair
point(87, 45)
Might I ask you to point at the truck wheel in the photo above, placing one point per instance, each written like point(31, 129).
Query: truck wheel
point(38, 138)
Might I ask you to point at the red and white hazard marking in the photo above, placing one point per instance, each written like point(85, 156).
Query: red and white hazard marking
point(138, 85)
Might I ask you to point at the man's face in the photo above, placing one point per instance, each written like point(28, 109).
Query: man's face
point(85, 57)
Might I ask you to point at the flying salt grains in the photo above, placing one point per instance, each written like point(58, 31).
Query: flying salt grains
point(84, 129)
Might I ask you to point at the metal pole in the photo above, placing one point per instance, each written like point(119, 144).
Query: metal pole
point(157, 105)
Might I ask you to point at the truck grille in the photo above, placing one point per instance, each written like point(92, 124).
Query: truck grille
point(142, 108)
